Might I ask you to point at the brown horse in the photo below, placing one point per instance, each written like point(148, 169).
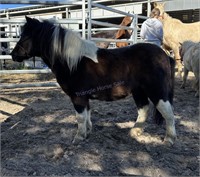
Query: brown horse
point(176, 32)
point(124, 34)
point(115, 34)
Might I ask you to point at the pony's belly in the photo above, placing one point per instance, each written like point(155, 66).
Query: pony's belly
point(116, 93)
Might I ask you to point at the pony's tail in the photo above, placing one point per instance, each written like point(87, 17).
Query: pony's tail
point(156, 114)
point(158, 117)
point(171, 86)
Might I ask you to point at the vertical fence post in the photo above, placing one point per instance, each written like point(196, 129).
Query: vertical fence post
point(132, 26)
point(148, 7)
point(83, 19)
point(89, 16)
point(135, 28)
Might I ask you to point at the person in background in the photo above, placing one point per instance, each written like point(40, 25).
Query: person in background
point(152, 28)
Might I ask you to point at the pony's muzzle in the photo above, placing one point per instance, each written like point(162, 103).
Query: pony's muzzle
point(17, 58)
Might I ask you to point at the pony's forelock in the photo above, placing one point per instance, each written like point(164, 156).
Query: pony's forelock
point(73, 49)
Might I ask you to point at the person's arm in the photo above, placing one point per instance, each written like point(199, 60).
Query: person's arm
point(142, 32)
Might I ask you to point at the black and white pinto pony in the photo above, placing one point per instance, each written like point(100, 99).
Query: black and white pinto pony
point(86, 72)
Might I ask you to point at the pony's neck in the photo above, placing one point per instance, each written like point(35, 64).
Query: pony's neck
point(43, 40)
point(167, 18)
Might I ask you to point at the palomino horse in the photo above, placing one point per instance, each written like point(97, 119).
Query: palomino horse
point(86, 72)
point(176, 32)
point(190, 55)
point(115, 34)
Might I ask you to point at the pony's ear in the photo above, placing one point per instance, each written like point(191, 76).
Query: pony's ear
point(28, 19)
point(32, 21)
point(155, 4)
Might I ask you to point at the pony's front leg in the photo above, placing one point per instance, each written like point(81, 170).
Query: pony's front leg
point(84, 123)
point(143, 108)
point(139, 124)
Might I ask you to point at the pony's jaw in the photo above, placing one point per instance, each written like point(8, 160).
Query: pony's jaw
point(18, 58)
point(19, 55)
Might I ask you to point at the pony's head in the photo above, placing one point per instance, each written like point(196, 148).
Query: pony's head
point(160, 6)
point(126, 21)
point(26, 47)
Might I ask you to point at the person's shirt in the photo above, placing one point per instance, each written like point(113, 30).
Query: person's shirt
point(152, 31)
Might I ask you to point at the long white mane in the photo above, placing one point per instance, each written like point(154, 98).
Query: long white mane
point(74, 47)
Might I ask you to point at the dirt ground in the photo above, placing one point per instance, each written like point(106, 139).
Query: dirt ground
point(38, 126)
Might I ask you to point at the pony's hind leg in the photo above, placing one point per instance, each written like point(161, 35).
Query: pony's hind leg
point(165, 108)
point(196, 84)
point(143, 108)
point(185, 75)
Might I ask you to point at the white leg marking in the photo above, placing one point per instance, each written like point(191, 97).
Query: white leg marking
point(165, 109)
point(139, 124)
point(82, 126)
point(142, 114)
point(89, 123)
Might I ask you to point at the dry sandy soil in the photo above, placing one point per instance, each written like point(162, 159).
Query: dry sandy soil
point(38, 126)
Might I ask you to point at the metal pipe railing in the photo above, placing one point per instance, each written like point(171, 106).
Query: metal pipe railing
point(39, 2)
point(27, 71)
point(111, 9)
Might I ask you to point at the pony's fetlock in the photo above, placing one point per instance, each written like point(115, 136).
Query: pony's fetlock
point(89, 127)
point(169, 140)
point(79, 138)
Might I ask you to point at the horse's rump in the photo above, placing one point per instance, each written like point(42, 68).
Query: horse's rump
point(190, 53)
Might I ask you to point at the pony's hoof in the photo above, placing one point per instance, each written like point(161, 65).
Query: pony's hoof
point(182, 86)
point(78, 139)
point(169, 141)
point(134, 132)
point(89, 130)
